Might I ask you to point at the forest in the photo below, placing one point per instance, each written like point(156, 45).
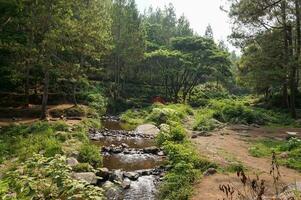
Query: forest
point(100, 100)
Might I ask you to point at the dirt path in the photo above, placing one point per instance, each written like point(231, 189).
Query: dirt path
point(231, 145)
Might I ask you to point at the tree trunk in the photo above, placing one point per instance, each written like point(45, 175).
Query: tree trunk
point(295, 65)
point(26, 89)
point(45, 94)
point(74, 94)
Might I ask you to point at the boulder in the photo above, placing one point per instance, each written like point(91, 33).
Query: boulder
point(131, 175)
point(104, 173)
point(160, 153)
point(112, 191)
point(72, 162)
point(117, 176)
point(89, 177)
point(147, 129)
point(284, 155)
point(210, 171)
point(151, 150)
point(126, 184)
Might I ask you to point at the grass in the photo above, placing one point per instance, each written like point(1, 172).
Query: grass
point(291, 148)
point(157, 114)
point(238, 111)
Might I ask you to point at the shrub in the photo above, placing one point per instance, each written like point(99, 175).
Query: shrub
point(201, 95)
point(98, 102)
point(46, 178)
point(83, 167)
point(90, 154)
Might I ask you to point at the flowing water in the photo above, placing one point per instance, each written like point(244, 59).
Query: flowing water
point(145, 187)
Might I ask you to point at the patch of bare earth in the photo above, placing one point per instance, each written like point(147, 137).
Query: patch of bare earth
point(27, 119)
point(231, 145)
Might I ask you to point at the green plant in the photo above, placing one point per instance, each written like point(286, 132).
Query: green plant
point(83, 167)
point(98, 102)
point(45, 178)
point(90, 154)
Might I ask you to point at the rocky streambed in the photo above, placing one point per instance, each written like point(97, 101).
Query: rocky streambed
point(133, 165)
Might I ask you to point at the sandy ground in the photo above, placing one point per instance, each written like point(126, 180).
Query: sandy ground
point(231, 144)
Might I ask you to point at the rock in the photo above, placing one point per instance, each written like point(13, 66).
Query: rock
point(104, 173)
point(147, 129)
point(284, 155)
point(209, 172)
point(117, 150)
point(291, 135)
point(89, 177)
point(72, 162)
point(117, 175)
point(290, 191)
point(131, 175)
point(151, 150)
point(124, 145)
point(160, 153)
point(126, 184)
point(194, 136)
point(112, 192)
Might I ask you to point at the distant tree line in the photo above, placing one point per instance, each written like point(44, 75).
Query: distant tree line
point(50, 46)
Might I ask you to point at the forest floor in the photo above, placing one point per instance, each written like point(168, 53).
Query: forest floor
point(231, 144)
point(28, 119)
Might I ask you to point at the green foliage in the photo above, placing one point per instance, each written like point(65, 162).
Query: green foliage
point(186, 163)
point(292, 148)
point(90, 154)
point(157, 113)
point(201, 95)
point(98, 102)
point(25, 140)
point(83, 167)
point(45, 178)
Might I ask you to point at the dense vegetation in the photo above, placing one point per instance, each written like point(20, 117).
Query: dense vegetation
point(105, 57)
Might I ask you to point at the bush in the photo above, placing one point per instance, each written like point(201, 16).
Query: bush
point(46, 178)
point(83, 167)
point(201, 95)
point(98, 102)
point(90, 154)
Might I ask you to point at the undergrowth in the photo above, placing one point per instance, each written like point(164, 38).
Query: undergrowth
point(289, 151)
point(34, 161)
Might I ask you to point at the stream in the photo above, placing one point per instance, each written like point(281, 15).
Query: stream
point(133, 157)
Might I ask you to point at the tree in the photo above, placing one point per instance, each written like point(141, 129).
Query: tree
point(252, 18)
point(128, 39)
point(209, 32)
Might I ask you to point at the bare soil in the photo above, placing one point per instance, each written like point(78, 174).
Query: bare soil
point(25, 119)
point(231, 145)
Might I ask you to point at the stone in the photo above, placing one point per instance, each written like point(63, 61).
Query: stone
point(290, 191)
point(151, 150)
point(116, 150)
point(284, 155)
point(72, 162)
point(147, 129)
point(126, 184)
point(117, 175)
point(131, 175)
point(160, 153)
point(210, 171)
point(104, 173)
point(112, 191)
point(124, 145)
point(89, 177)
